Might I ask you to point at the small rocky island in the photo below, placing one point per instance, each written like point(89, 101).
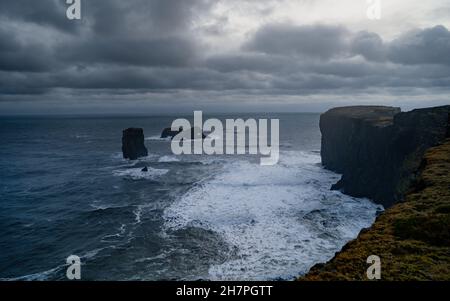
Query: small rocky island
point(133, 144)
point(400, 160)
point(196, 133)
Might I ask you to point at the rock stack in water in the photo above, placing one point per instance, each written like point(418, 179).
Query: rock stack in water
point(196, 133)
point(133, 144)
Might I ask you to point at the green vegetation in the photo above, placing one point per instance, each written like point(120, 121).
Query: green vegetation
point(412, 238)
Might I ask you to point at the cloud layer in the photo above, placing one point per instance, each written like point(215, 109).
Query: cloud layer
point(170, 47)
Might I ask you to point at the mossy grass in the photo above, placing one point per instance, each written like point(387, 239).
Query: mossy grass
point(412, 238)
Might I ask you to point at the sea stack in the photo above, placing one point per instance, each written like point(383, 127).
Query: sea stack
point(168, 133)
point(133, 144)
point(379, 149)
point(196, 133)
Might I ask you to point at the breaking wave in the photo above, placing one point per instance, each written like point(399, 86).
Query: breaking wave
point(280, 220)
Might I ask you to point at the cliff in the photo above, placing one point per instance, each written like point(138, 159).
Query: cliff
point(379, 149)
point(412, 238)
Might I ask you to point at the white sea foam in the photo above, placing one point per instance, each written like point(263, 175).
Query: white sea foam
point(168, 159)
point(137, 173)
point(282, 219)
point(118, 156)
point(113, 238)
point(157, 138)
point(98, 206)
point(137, 214)
point(144, 209)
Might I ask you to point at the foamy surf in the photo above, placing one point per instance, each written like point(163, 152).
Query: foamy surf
point(168, 159)
point(156, 138)
point(280, 220)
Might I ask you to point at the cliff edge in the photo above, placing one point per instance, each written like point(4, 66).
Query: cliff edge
point(401, 160)
point(412, 238)
point(379, 149)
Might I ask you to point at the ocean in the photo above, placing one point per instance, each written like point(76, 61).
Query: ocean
point(66, 190)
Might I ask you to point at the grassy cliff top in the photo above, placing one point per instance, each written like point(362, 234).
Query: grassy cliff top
point(412, 238)
point(377, 115)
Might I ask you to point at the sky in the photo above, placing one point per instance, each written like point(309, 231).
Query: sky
point(177, 56)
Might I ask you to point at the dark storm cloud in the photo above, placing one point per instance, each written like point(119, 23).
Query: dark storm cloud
point(170, 51)
point(428, 46)
point(156, 79)
point(145, 17)
point(247, 62)
point(139, 32)
point(42, 12)
point(151, 46)
point(321, 41)
point(23, 55)
point(27, 83)
point(370, 45)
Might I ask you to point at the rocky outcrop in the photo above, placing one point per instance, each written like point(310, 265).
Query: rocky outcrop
point(412, 238)
point(133, 144)
point(379, 149)
point(196, 133)
point(168, 133)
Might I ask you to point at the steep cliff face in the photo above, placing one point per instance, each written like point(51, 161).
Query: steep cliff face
point(412, 238)
point(379, 149)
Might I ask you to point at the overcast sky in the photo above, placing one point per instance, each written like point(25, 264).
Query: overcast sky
point(163, 56)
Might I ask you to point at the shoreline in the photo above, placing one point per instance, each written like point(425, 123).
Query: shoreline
point(411, 237)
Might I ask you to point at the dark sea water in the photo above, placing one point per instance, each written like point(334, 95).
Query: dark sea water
point(65, 189)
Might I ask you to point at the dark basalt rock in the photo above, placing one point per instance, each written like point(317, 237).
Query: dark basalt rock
point(133, 144)
point(168, 133)
point(379, 149)
point(196, 133)
point(145, 169)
